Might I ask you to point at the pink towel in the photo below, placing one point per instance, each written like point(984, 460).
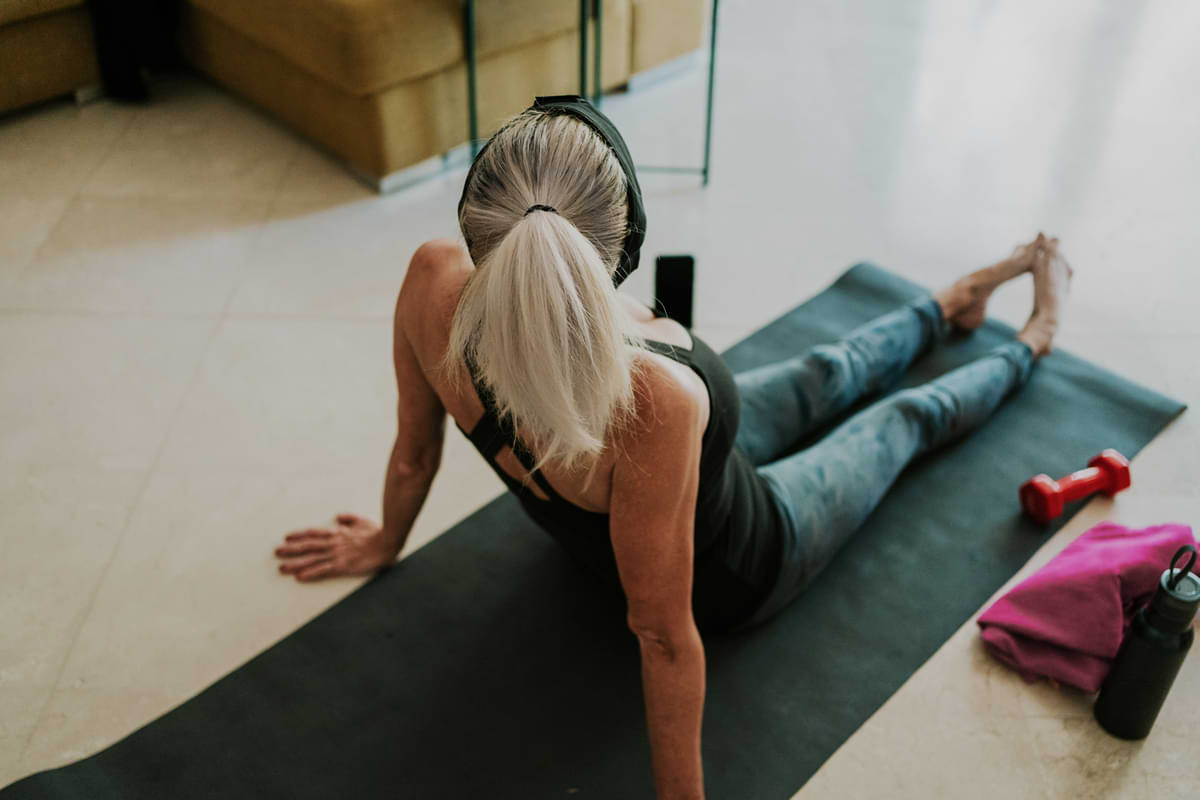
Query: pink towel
point(1067, 620)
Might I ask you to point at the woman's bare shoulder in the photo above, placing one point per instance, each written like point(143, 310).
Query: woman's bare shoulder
point(666, 390)
point(437, 261)
point(435, 276)
point(429, 295)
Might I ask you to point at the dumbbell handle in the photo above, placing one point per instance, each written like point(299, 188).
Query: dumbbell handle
point(1082, 483)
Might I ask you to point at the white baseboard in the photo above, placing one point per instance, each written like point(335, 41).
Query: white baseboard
point(696, 59)
point(421, 171)
point(86, 94)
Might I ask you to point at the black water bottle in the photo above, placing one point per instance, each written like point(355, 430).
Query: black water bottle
point(1150, 654)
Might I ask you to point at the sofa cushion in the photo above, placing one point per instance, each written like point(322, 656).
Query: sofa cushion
point(16, 10)
point(505, 24)
point(360, 46)
point(666, 29)
point(45, 56)
point(366, 46)
point(413, 120)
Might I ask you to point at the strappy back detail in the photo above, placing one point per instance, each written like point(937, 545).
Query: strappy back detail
point(737, 531)
point(492, 434)
point(672, 351)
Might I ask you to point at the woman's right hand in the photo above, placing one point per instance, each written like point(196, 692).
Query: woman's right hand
point(354, 546)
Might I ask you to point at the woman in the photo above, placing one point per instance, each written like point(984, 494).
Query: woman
point(626, 437)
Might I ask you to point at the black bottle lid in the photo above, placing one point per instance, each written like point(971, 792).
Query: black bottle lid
point(1178, 595)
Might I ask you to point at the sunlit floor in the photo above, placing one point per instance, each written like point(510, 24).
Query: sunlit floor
point(195, 328)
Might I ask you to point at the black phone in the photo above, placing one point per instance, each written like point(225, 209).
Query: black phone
point(674, 279)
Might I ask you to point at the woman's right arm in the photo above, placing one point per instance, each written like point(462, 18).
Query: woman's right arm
point(652, 518)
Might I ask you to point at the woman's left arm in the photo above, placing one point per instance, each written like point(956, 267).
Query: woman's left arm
point(404, 491)
point(356, 545)
point(421, 418)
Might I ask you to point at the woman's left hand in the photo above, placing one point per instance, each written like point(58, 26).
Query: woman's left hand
point(354, 546)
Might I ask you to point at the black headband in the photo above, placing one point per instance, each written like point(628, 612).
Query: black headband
point(582, 109)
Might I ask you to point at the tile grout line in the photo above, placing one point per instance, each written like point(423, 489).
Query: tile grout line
point(217, 320)
point(192, 315)
point(133, 507)
point(73, 196)
point(20, 273)
point(268, 215)
point(112, 146)
point(71, 199)
point(31, 311)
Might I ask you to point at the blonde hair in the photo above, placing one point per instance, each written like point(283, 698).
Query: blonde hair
point(540, 317)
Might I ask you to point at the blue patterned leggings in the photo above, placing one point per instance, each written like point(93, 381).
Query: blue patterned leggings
point(824, 492)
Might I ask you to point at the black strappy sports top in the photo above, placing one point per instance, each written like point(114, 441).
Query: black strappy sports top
point(738, 530)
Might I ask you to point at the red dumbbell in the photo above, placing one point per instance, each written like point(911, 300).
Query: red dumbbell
point(1042, 497)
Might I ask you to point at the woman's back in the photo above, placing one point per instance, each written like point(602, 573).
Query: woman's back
point(443, 285)
point(735, 529)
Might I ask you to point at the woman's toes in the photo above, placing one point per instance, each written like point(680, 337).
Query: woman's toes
point(1023, 257)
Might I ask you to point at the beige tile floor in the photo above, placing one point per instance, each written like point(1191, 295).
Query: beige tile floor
point(194, 322)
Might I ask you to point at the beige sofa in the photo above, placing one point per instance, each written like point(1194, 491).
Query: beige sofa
point(46, 50)
point(382, 84)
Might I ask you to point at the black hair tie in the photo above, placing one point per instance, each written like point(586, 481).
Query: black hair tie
point(540, 207)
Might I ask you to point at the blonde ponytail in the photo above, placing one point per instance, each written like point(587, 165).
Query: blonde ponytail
point(540, 317)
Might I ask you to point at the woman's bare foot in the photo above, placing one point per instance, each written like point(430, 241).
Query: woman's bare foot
point(964, 302)
point(1051, 281)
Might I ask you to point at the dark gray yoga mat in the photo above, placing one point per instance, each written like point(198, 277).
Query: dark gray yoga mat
point(487, 665)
